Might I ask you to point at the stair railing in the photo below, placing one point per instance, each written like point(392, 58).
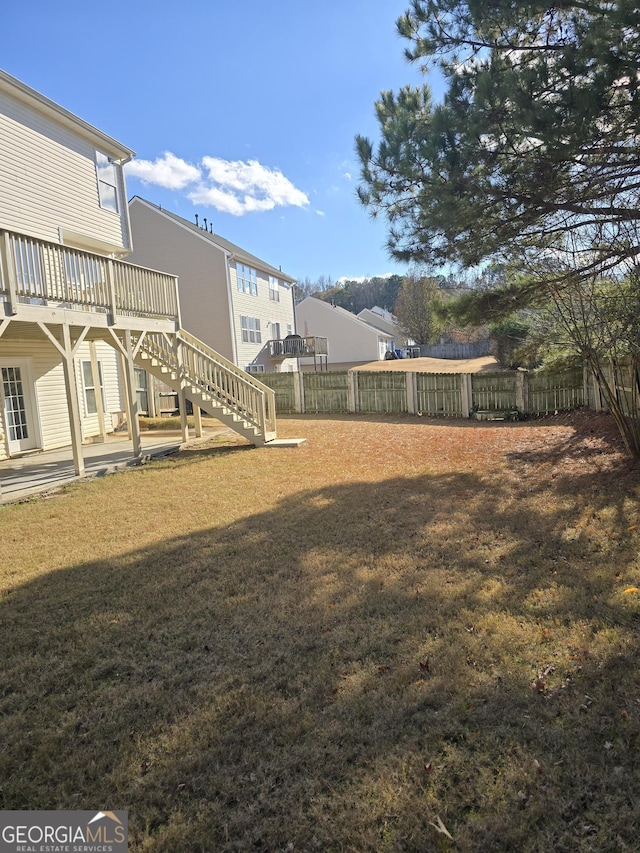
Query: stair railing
point(201, 367)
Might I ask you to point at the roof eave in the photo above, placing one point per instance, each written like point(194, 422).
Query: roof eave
point(17, 89)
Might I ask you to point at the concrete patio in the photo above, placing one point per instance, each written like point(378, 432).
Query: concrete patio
point(41, 472)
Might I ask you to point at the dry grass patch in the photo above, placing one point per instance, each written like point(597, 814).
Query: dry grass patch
point(399, 627)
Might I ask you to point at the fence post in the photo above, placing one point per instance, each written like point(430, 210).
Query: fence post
point(585, 386)
point(597, 394)
point(613, 379)
point(522, 391)
point(298, 392)
point(352, 391)
point(412, 392)
point(465, 394)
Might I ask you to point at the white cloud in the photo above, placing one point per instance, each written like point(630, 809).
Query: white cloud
point(167, 171)
point(321, 213)
point(230, 186)
point(253, 186)
point(214, 197)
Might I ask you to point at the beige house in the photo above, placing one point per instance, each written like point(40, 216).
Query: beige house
point(230, 299)
point(350, 340)
point(78, 325)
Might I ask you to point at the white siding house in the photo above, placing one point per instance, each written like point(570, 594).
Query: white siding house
point(61, 184)
point(387, 322)
point(350, 340)
point(229, 298)
point(61, 180)
point(77, 323)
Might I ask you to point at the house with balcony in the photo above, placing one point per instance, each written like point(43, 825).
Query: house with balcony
point(79, 324)
point(350, 341)
point(235, 302)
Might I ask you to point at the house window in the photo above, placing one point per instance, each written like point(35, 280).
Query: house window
point(90, 401)
point(247, 279)
point(250, 330)
point(107, 182)
point(274, 290)
point(275, 331)
point(255, 368)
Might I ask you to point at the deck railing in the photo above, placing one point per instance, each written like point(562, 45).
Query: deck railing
point(215, 376)
point(298, 347)
point(36, 272)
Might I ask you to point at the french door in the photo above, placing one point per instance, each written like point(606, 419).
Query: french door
point(18, 413)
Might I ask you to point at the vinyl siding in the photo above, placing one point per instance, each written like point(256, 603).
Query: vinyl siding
point(52, 420)
point(50, 417)
point(165, 245)
point(264, 309)
point(113, 390)
point(349, 340)
point(48, 180)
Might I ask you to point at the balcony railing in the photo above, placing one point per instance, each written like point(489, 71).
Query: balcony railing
point(294, 346)
point(35, 272)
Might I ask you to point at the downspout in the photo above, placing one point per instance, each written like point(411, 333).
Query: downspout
point(124, 201)
point(293, 299)
point(295, 326)
point(234, 344)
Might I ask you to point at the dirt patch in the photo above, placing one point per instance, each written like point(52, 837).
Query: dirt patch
point(485, 364)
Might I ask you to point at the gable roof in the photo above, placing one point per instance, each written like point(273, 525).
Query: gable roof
point(378, 321)
point(236, 252)
point(347, 315)
point(20, 91)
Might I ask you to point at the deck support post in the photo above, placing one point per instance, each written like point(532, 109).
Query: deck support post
point(97, 384)
point(132, 400)
point(71, 389)
point(68, 351)
point(197, 418)
point(182, 397)
point(4, 438)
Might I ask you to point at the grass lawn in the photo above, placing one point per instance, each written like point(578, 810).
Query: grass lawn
point(405, 635)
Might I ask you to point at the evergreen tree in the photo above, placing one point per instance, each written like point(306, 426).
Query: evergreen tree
point(531, 161)
point(536, 138)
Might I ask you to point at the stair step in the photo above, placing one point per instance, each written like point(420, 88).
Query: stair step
point(201, 394)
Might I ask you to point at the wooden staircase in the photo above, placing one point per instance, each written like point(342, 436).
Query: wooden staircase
point(211, 382)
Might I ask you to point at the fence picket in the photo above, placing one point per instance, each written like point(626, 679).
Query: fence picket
point(444, 394)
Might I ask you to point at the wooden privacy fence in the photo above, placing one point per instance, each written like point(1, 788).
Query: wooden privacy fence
point(474, 349)
point(459, 395)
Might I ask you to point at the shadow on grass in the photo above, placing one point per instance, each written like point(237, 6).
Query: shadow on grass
point(336, 674)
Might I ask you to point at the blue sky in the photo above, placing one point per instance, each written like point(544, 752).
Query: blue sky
point(242, 112)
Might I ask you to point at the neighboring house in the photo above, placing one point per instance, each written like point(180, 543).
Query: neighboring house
point(78, 326)
point(229, 298)
point(350, 340)
point(385, 321)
